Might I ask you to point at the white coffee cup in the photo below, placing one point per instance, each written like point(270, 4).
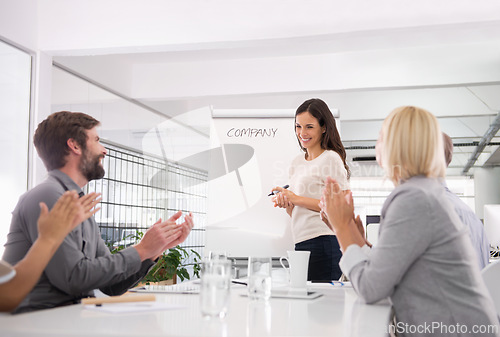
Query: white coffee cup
point(298, 262)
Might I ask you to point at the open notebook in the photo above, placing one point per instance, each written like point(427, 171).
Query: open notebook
point(191, 287)
point(181, 288)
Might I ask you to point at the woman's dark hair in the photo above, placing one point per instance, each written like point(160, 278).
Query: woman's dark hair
point(331, 138)
point(52, 134)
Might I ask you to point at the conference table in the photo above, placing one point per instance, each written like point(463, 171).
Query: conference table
point(338, 312)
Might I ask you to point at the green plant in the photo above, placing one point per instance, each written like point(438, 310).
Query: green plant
point(170, 263)
point(114, 247)
point(173, 263)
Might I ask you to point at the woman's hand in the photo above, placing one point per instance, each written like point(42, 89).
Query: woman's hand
point(324, 218)
point(88, 204)
point(67, 213)
point(337, 205)
point(282, 199)
point(339, 209)
point(361, 230)
point(283, 192)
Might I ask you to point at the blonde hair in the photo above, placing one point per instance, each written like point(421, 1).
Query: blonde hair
point(412, 144)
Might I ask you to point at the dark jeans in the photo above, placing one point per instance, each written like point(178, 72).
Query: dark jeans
point(324, 259)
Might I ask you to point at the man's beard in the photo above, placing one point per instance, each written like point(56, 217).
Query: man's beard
point(90, 166)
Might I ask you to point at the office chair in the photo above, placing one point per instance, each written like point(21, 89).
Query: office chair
point(491, 275)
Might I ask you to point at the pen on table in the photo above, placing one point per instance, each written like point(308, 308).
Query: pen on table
point(237, 282)
point(274, 192)
point(98, 301)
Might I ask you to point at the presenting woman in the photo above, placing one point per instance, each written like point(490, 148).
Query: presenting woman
point(423, 260)
point(324, 155)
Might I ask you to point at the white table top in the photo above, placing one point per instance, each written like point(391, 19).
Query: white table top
point(338, 312)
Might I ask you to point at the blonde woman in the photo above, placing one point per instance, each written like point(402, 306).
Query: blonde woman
point(423, 260)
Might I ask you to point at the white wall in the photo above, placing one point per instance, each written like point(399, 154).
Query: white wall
point(41, 109)
point(166, 25)
point(19, 22)
point(322, 72)
point(252, 47)
point(487, 188)
point(15, 74)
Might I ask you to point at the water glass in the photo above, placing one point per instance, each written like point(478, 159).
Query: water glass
point(259, 278)
point(214, 289)
point(217, 255)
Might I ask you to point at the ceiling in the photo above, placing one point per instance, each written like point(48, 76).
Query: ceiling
point(447, 62)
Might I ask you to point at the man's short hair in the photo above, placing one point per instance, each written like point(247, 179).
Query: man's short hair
point(52, 134)
point(448, 148)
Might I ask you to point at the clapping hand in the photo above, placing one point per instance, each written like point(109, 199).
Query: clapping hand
point(68, 212)
point(164, 235)
point(337, 206)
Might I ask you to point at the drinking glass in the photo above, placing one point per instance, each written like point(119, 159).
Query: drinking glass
point(259, 278)
point(217, 255)
point(214, 288)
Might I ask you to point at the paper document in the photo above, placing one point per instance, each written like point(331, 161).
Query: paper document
point(329, 285)
point(133, 307)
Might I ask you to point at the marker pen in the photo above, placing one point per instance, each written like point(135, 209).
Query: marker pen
point(275, 192)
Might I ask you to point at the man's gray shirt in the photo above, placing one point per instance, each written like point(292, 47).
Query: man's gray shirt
point(475, 227)
point(82, 262)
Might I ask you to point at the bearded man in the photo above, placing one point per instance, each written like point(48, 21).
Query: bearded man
point(68, 143)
